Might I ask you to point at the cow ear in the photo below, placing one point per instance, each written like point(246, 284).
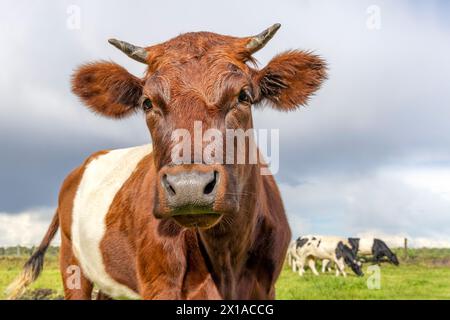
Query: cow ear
point(290, 79)
point(107, 88)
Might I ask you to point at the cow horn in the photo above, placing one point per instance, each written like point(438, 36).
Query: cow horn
point(257, 42)
point(134, 52)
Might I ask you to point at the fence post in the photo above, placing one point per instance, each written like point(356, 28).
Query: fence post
point(405, 248)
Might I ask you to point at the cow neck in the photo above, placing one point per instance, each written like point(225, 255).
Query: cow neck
point(225, 247)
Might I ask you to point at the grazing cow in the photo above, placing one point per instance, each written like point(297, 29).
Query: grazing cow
point(373, 247)
point(312, 248)
point(139, 224)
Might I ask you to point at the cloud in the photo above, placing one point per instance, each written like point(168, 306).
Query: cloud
point(25, 228)
point(384, 106)
point(391, 201)
point(397, 241)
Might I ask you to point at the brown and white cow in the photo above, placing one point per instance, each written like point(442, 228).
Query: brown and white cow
point(139, 226)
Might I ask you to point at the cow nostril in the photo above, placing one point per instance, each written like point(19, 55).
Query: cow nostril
point(210, 186)
point(168, 186)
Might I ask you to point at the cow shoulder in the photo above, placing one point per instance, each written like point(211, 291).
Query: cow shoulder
point(67, 194)
point(272, 209)
point(272, 233)
point(102, 179)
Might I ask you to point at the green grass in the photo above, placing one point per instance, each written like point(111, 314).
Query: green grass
point(50, 278)
point(422, 256)
point(425, 274)
point(404, 282)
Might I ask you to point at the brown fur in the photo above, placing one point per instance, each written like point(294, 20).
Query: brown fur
point(66, 256)
point(291, 77)
point(193, 77)
point(107, 88)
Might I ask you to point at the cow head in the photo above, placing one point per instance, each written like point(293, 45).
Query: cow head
point(203, 78)
point(350, 258)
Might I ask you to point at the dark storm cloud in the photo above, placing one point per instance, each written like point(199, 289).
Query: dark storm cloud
point(386, 102)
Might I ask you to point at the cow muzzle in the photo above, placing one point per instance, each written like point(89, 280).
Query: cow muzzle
point(189, 194)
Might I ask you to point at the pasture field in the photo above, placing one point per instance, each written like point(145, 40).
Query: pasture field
point(425, 274)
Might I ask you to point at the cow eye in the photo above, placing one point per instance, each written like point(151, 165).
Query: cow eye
point(244, 97)
point(147, 104)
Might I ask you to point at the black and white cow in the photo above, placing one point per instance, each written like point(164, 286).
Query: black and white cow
point(311, 248)
point(373, 247)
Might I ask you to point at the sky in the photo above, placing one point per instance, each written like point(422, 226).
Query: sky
point(369, 155)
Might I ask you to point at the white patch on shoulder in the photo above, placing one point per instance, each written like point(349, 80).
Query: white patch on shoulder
point(102, 179)
point(365, 246)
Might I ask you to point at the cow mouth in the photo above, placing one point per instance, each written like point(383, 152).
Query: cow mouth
point(196, 217)
point(356, 269)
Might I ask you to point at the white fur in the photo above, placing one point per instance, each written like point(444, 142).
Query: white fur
point(102, 179)
point(323, 248)
point(365, 246)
